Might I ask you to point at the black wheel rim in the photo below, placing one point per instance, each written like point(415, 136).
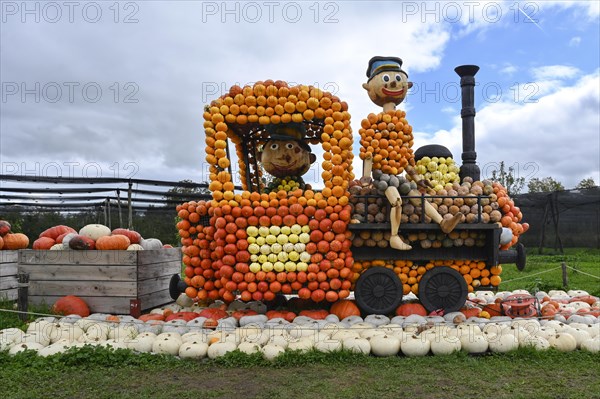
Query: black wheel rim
point(443, 288)
point(175, 286)
point(378, 291)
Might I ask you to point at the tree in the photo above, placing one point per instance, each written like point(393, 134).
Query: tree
point(181, 194)
point(544, 185)
point(508, 179)
point(586, 183)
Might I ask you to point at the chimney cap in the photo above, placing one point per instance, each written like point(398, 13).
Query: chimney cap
point(466, 70)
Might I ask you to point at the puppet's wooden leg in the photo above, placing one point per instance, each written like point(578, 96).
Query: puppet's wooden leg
point(393, 196)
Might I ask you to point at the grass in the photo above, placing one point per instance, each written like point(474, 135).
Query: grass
point(582, 260)
point(100, 373)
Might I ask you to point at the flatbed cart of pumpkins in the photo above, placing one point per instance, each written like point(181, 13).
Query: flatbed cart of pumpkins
point(378, 290)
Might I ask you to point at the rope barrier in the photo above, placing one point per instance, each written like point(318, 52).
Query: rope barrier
point(582, 272)
point(531, 275)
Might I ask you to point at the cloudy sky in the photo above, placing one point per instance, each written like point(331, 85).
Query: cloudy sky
point(117, 89)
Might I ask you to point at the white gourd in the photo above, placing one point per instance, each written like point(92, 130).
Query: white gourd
point(220, 349)
point(345, 334)
point(591, 345)
point(357, 345)
point(57, 247)
point(142, 343)
point(474, 343)
point(503, 343)
point(579, 335)
point(272, 351)
point(445, 345)
point(40, 337)
point(17, 348)
point(415, 346)
point(377, 319)
point(58, 347)
point(328, 345)
point(563, 342)
point(302, 345)
point(135, 247)
point(66, 239)
point(151, 244)
point(195, 350)
point(369, 333)
point(249, 348)
point(68, 332)
point(94, 231)
point(384, 345)
point(537, 342)
point(168, 345)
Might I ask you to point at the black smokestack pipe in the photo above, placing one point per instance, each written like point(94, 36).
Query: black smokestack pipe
point(467, 84)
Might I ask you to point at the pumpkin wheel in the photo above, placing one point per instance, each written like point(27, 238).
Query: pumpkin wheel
point(443, 288)
point(378, 291)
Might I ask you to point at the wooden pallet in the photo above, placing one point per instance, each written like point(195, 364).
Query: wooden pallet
point(8, 275)
point(116, 282)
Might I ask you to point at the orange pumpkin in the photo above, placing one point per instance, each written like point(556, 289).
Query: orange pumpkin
point(54, 232)
point(71, 304)
point(494, 309)
point(319, 314)
point(344, 308)
point(4, 228)
point(113, 242)
point(471, 312)
point(43, 243)
point(15, 241)
point(134, 236)
point(81, 243)
point(409, 308)
point(1, 242)
point(213, 313)
point(151, 316)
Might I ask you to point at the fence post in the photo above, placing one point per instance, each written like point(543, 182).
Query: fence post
point(130, 216)
point(565, 278)
point(22, 295)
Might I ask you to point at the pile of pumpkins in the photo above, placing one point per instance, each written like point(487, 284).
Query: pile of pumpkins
point(10, 240)
point(370, 206)
point(269, 244)
point(93, 236)
point(196, 332)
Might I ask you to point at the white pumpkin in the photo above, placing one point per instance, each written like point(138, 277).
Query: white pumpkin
point(345, 334)
point(591, 345)
point(57, 247)
point(351, 320)
point(151, 244)
point(369, 333)
point(66, 239)
point(384, 345)
point(249, 348)
point(9, 337)
point(58, 347)
point(303, 344)
point(194, 336)
point(96, 332)
point(40, 337)
point(445, 345)
point(328, 345)
point(537, 342)
point(257, 320)
point(563, 342)
point(579, 335)
point(253, 335)
point(377, 319)
point(166, 344)
point(503, 343)
point(17, 348)
point(272, 351)
point(195, 350)
point(122, 332)
point(279, 340)
point(415, 346)
point(576, 293)
point(68, 332)
point(357, 345)
point(474, 343)
point(220, 349)
point(113, 344)
point(95, 231)
point(142, 343)
point(135, 247)
point(40, 325)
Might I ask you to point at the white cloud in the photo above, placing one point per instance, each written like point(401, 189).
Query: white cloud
point(575, 41)
point(554, 72)
point(509, 70)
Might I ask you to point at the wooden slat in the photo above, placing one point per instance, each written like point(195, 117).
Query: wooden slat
point(97, 304)
point(9, 256)
point(155, 299)
point(83, 288)
point(80, 272)
point(153, 285)
point(159, 256)
point(8, 283)
point(8, 269)
point(8, 295)
point(159, 269)
point(125, 258)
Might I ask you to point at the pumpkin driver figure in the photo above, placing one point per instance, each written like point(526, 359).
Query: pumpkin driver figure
point(387, 86)
point(286, 156)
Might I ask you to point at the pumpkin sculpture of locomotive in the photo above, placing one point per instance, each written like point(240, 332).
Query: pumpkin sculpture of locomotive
point(283, 237)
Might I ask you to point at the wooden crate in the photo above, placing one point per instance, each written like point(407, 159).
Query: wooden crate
point(107, 280)
point(8, 275)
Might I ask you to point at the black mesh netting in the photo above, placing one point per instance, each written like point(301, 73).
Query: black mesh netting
point(570, 218)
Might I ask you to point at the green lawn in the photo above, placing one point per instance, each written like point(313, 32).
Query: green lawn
point(583, 260)
point(522, 374)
